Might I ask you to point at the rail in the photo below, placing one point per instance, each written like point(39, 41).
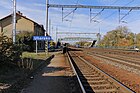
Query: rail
point(112, 85)
point(126, 88)
point(80, 83)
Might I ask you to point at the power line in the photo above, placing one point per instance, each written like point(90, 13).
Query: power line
point(103, 9)
point(96, 14)
point(115, 11)
point(138, 15)
point(130, 2)
point(73, 16)
point(69, 12)
point(119, 14)
point(115, 1)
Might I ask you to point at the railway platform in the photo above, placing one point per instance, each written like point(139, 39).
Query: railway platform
point(53, 78)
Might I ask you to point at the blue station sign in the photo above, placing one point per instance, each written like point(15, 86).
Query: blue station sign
point(42, 38)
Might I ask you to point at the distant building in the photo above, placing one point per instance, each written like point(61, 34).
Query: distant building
point(22, 24)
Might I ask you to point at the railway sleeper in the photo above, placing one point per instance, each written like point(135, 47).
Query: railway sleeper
point(102, 87)
point(92, 76)
point(97, 83)
point(107, 91)
point(101, 91)
point(85, 80)
point(89, 72)
point(91, 90)
point(93, 79)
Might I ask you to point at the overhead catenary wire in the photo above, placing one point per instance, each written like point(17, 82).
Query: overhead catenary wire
point(103, 9)
point(63, 17)
point(115, 11)
point(119, 14)
point(73, 12)
point(126, 14)
point(96, 14)
point(115, 1)
point(130, 2)
point(73, 16)
point(121, 18)
point(133, 17)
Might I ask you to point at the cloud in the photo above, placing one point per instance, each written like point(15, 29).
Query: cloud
point(5, 8)
point(80, 22)
point(39, 5)
point(6, 4)
point(106, 1)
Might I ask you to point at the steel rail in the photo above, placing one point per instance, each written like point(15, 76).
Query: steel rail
point(128, 89)
point(81, 85)
point(93, 7)
point(131, 63)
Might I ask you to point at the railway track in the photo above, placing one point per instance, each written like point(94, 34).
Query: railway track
point(127, 63)
point(92, 79)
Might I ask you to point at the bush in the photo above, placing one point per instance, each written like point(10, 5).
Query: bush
point(25, 39)
point(9, 53)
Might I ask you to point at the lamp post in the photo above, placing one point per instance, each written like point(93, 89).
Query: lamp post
point(14, 22)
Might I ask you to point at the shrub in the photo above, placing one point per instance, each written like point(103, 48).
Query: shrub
point(25, 39)
point(9, 53)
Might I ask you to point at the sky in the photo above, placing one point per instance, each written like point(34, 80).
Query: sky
point(79, 20)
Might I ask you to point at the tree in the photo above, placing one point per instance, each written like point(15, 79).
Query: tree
point(120, 37)
point(83, 43)
point(25, 39)
point(9, 53)
point(138, 40)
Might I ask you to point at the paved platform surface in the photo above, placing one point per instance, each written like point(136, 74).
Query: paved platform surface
point(52, 78)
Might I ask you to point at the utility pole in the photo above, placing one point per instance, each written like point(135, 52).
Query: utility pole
point(14, 22)
point(49, 27)
point(46, 32)
point(56, 34)
point(47, 2)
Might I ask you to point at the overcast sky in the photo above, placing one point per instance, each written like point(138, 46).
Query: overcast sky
point(79, 20)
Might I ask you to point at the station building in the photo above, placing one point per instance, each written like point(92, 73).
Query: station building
point(22, 24)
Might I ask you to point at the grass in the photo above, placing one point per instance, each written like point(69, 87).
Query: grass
point(41, 55)
point(30, 62)
point(18, 75)
point(36, 59)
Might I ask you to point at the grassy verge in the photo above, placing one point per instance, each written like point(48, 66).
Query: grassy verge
point(28, 64)
point(41, 55)
point(33, 59)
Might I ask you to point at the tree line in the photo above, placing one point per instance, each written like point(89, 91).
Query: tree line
point(121, 37)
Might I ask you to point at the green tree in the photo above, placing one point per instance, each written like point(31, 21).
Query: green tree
point(138, 40)
point(9, 53)
point(83, 43)
point(25, 39)
point(120, 37)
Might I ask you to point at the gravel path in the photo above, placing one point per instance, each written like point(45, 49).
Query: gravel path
point(51, 79)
